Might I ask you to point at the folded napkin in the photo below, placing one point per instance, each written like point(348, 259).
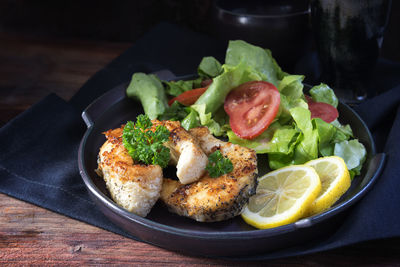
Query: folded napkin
point(38, 163)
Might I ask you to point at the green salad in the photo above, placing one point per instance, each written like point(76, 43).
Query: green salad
point(293, 129)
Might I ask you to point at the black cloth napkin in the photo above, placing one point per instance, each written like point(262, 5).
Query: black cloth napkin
point(38, 160)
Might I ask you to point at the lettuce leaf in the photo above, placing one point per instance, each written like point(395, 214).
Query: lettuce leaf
point(176, 88)
point(307, 148)
point(353, 153)
point(343, 132)
point(291, 89)
point(261, 144)
point(191, 120)
point(291, 86)
point(284, 140)
point(209, 68)
point(207, 120)
point(284, 115)
point(323, 93)
point(175, 112)
point(255, 57)
point(149, 90)
point(326, 134)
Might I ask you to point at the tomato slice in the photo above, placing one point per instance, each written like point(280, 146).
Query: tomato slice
point(206, 82)
point(189, 97)
point(322, 110)
point(251, 107)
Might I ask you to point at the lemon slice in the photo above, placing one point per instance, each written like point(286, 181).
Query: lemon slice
point(335, 180)
point(282, 196)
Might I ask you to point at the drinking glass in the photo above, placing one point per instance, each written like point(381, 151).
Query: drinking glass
point(348, 35)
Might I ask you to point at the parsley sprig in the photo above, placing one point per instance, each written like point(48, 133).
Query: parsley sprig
point(143, 144)
point(218, 164)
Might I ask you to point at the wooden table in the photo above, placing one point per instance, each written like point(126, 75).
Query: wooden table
point(29, 70)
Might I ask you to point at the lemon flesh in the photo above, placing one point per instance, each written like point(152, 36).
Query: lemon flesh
point(282, 196)
point(335, 180)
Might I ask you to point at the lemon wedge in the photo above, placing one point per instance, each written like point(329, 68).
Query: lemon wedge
point(335, 180)
point(282, 196)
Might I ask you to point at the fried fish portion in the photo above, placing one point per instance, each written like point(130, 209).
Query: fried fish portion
point(185, 152)
point(214, 199)
point(135, 187)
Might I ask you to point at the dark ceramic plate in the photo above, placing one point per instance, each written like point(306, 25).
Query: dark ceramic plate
point(228, 238)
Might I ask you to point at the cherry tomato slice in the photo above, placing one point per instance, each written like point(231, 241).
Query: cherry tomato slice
point(251, 107)
point(206, 83)
point(322, 110)
point(189, 97)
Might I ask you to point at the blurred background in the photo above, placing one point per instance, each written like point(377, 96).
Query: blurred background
point(49, 46)
point(128, 20)
point(124, 20)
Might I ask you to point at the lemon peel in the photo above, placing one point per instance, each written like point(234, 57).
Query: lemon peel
point(335, 180)
point(282, 196)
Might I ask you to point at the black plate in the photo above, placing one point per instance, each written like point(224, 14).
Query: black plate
point(228, 238)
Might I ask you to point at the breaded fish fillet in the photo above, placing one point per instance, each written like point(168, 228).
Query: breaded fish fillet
point(185, 151)
point(214, 199)
point(135, 187)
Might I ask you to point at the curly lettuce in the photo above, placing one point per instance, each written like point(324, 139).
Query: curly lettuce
point(292, 138)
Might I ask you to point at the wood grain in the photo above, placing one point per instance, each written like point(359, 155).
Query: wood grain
point(33, 235)
point(30, 235)
point(32, 68)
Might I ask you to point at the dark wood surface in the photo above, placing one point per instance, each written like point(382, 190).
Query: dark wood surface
point(31, 68)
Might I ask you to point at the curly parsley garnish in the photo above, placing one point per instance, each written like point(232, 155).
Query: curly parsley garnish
point(218, 164)
point(143, 144)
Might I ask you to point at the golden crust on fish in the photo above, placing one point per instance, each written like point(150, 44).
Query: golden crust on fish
point(214, 199)
point(135, 187)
